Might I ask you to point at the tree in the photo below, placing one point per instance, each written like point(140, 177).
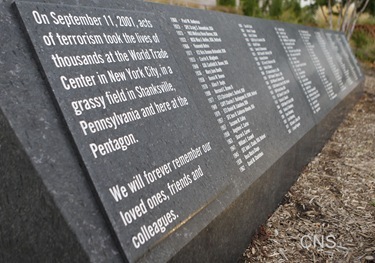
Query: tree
point(348, 13)
point(351, 18)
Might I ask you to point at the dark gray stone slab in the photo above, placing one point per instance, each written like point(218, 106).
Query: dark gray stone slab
point(331, 58)
point(341, 64)
point(345, 59)
point(185, 25)
point(238, 56)
point(340, 38)
point(48, 212)
point(135, 125)
point(233, 102)
point(306, 63)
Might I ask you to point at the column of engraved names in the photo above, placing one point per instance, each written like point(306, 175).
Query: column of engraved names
point(328, 86)
point(336, 73)
point(348, 60)
point(340, 60)
point(348, 50)
point(294, 54)
point(229, 105)
point(272, 76)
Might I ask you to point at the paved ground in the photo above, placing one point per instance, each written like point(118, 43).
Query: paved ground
point(329, 214)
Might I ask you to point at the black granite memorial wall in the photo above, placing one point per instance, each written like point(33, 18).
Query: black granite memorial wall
point(140, 132)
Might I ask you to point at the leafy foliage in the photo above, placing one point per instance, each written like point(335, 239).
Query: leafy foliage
point(371, 8)
point(335, 15)
point(364, 46)
point(251, 7)
point(276, 8)
point(226, 2)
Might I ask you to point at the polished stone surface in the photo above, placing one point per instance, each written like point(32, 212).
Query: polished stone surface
point(178, 126)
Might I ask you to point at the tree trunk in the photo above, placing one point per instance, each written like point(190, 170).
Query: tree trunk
point(324, 15)
point(346, 18)
point(330, 14)
point(338, 25)
point(354, 22)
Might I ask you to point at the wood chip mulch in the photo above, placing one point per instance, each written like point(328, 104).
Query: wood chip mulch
point(328, 215)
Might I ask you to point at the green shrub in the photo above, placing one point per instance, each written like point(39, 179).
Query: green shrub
point(364, 46)
point(250, 8)
point(226, 2)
